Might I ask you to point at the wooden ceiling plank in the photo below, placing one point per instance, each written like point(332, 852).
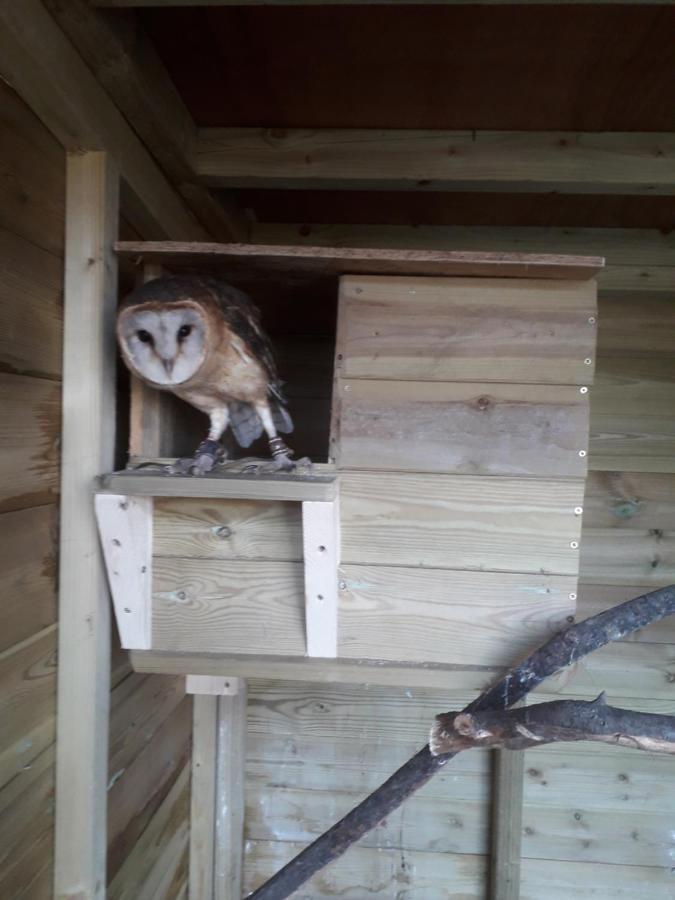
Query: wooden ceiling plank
point(409, 159)
point(42, 65)
point(126, 64)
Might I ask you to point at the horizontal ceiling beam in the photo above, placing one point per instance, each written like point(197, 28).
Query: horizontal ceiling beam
point(41, 64)
point(565, 162)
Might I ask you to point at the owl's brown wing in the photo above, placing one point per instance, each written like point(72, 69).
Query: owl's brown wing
point(243, 318)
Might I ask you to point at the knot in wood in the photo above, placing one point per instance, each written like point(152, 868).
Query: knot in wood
point(483, 402)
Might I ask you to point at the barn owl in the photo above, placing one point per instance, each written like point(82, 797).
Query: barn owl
point(201, 339)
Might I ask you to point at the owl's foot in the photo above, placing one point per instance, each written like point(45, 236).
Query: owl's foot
point(281, 460)
point(206, 456)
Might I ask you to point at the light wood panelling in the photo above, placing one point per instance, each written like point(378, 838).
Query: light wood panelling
point(28, 578)
point(461, 522)
point(137, 792)
point(496, 330)
point(251, 607)
point(573, 881)
point(632, 426)
point(31, 296)
point(374, 872)
point(229, 529)
point(473, 429)
point(27, 702)
point(629, 501)
point(637, 325)
point(29, 457)
point(430, 821)
point(460, 617)
point(614, 556)
point(160, 855)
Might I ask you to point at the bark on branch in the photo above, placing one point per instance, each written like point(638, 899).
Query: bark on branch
point(561, 651)
point(545, 723)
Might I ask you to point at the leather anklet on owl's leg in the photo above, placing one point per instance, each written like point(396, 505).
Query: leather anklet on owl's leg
point(281, 454)
point(209, 452)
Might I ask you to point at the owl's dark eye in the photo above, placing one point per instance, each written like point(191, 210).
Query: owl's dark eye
point(184, 331)
point(144, 336)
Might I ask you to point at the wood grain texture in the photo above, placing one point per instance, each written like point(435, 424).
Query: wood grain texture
point(228, 529)
point(139, 790)
point(269, 260)
point(29, 458)
point(636, 325)
point(27, 703)
point(572, 881)
point(238, 606)
point(473, 429)
point(372, 872)
point(632, 426)
point(451, 617)
point(230, 795)
point(31, 308)
point(160, 854)
point(408, 159)
point(203, 796)
point(412, 329)
point(506, 824)
point(32, 190)
point(28, 579)
point(461, 522)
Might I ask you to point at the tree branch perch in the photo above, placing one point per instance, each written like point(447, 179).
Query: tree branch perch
point(560, 651)
point(545, 723)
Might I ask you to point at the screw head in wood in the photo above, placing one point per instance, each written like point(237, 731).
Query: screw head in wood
point(578, 510)
point(573, 596)
point(591, 320)
point(583, 390)
point(343, 585)
point(588, 361)
point(574, 544)
point(582, 453)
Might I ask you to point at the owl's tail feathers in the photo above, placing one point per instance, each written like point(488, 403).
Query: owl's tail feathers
point(246, 425)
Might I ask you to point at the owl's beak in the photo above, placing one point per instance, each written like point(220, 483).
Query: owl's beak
point(168, 366)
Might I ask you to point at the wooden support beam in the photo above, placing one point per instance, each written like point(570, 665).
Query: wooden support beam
point(321, 544)
point(218, 768)
point(87, 449)
point(126, 64)
point(567, 162)
point(39, 61)
point(125, 529)
point(506, 824)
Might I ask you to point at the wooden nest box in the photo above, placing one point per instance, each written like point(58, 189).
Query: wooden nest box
point(444, 528)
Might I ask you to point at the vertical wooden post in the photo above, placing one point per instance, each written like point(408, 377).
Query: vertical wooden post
point(218, 774)
point(92, 197)
point(321, 553)
point(507, 819)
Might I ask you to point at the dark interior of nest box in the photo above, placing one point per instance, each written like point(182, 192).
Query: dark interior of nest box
point(299, 314)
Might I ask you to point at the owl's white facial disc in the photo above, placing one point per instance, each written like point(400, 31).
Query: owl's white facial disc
point(165, 346)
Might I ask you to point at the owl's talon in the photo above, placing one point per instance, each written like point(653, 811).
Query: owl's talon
point(206, 456)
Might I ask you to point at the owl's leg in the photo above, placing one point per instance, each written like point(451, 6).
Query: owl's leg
point(209, 451)
point(281, 454)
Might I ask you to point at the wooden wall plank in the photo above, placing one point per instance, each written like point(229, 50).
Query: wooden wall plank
point(501, 524)
point(506, 824)
point(257, 607)
point(452, 617)
point(437, 329)
point(160, 851)
point(29, 458)
point(28, 573)
point(32, 189)
point(373, 872)
point(27, 703)
point(230, 529)
point(229, 794)
point(203, 795)
point(572, 880)
point(472, 429)
point(140, 789)
point(636, 325)
point(31, 298)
